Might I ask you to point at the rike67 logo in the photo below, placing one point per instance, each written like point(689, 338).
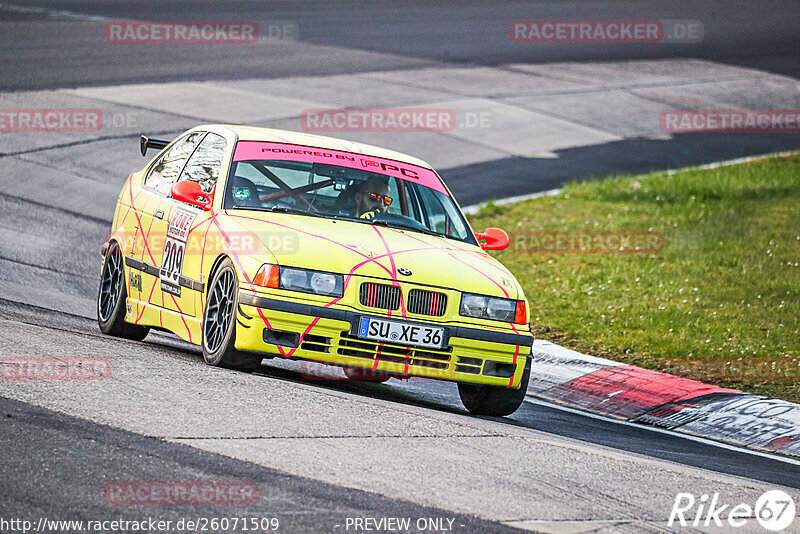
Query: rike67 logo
point(774, 510)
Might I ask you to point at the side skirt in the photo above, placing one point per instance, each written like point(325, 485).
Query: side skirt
point(186, 327)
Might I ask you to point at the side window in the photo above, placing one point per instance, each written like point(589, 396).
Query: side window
point(206, 162)
point(394, 194)
point(442, 214)
point(165, 171)
point(437, 218)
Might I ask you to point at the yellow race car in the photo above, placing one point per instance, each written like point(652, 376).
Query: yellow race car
point(257, 243)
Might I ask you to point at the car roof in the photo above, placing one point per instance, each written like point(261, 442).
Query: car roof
point(253, 133)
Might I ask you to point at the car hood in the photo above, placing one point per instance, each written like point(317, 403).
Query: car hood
point(362, 249)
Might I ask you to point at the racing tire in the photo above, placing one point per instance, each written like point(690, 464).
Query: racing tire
point(494, 400)
point(112, 299)
point(219, 323)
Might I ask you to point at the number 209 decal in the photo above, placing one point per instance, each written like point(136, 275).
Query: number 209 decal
point(174, 250)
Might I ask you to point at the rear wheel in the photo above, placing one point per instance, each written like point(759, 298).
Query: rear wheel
point(219, 318)
point(494, 400)
point(112, 299)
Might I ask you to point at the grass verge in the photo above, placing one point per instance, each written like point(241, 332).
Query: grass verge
point(712, 293)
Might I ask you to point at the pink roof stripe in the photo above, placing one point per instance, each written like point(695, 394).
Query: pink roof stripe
point(260, 150)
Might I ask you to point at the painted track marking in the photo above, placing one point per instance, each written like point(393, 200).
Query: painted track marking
point(641, 426)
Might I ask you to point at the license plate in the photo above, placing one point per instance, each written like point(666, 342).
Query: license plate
point(401, 333)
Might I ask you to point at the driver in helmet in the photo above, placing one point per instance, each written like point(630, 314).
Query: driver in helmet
point(372, 197)
point(366, 199)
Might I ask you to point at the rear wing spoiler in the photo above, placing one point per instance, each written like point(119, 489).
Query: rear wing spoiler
point(145, 143)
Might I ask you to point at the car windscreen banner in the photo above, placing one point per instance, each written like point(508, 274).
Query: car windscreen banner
point(256, 150)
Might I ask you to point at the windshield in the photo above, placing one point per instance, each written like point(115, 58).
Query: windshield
point(331, 190)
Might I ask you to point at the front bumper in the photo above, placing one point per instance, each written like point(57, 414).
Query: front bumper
point(326, 334)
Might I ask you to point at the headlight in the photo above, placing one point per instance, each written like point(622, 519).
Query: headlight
point(294, 279)
point(495, 309)
point(324, 283)
point(303, 280)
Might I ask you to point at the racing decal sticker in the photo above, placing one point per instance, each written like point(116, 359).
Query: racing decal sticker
point(260, 150)
point(174, 250)
point(136, 281)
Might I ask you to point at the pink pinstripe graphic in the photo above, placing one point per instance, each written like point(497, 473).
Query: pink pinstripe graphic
point(132, 207)
point(130, 189)
point(139, 222)
point(252, 286)
point(281, 350)
point(389, 252)
point(130, 192)
point(511, 380)
point(433, 304)
point(395, 283)
point(369, 259)
point(377, 353)
point(203, 257)
point(145, 238)
point(391, 259)
point(139, 308)
point(182, 318)
point(149, 297)
point(236, 256)
point(148, 300)
point(346, 280)
point(172, 209)
point(392, 273)
point(513, 327)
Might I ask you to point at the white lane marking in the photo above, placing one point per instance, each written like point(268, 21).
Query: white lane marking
point(690, 437)
point(475, 208)
point(728, 162)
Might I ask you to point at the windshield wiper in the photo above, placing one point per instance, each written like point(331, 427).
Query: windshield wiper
point(401, 226)
point(287, 209)
point(277, 209)
point(297, 211)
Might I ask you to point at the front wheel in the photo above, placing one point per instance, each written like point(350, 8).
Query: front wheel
point(112, 299)
point(494, 400)
point(219, 316)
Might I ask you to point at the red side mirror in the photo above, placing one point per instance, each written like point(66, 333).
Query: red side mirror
point(191, 193)
point(494, 239)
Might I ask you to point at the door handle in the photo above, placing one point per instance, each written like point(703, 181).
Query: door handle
point(160, 214)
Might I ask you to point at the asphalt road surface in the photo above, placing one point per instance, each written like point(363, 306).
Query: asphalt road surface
point(52, 44)
point(325, 452)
